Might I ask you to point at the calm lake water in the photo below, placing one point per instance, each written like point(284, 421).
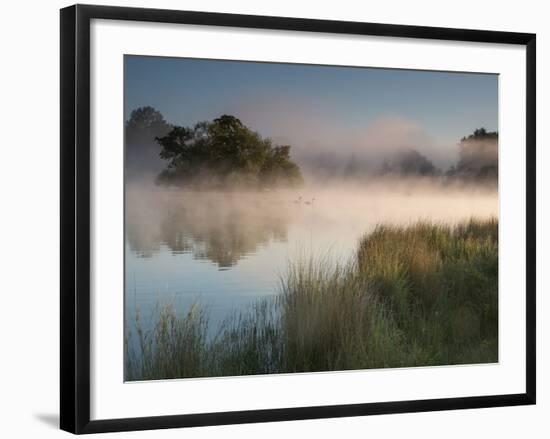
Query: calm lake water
point(225, 250)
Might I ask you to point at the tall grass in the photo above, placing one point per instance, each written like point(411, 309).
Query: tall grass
point(426, 294)
point(441, 284)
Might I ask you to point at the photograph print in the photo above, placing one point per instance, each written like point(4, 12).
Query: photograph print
point(293, 218)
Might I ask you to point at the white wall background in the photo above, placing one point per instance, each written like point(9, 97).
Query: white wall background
point(29, 200)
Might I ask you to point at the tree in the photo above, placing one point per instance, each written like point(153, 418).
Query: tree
point(225, 153)
point(142, 152)
point(409, 162)
point(144, 124)
point(478, 156)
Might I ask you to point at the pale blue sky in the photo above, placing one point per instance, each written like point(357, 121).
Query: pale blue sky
point(308, 104)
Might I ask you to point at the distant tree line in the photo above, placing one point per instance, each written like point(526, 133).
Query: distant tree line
point(477, 161)
point(218, 154)
point(225, 153)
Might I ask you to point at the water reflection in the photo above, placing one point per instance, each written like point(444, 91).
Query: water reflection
point(220, 227)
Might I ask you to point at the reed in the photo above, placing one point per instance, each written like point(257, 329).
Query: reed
point(425, 294)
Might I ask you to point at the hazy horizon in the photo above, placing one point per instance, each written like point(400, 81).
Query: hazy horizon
point(345, 111)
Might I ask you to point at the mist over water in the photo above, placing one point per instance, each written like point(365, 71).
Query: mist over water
point(240, 174)
point(225, 249)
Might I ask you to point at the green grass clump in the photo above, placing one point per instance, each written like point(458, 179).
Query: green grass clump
point(176, 347)
point(331, 320)
point(441, 283)
point(426, 294)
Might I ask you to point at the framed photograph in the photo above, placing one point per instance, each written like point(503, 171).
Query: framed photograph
point(268, 218)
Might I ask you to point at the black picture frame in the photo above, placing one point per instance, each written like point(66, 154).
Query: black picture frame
point(75, 217)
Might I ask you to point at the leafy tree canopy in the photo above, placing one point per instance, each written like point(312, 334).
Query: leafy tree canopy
point(225, 153)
